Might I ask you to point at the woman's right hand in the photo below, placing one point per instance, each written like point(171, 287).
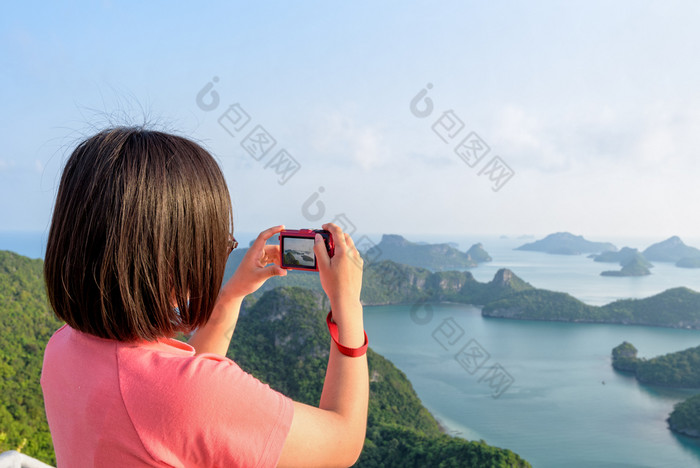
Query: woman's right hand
point(341, 275)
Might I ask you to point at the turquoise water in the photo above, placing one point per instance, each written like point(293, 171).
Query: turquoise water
point(545, 390)
point(559, 403)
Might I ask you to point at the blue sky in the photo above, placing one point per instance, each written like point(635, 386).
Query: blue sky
point(594, 107)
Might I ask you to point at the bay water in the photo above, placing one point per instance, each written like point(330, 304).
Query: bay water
point(545, 390)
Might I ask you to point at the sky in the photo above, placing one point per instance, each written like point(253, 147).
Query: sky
point(415, 118)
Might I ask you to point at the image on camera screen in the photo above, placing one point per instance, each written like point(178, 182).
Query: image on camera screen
point(299, 252)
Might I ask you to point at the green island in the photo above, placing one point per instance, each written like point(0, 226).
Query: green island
point(673, 308)
point(281, 338)
point(685, 417)
point(679, 370)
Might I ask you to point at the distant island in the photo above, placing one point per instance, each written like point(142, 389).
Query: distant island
point(634, 263)
point(678, 370)
point(692, 262)
point(671, 250)
point(565, 243)
point(635, 266)
point(432, 256)
point(622, 256)
point(477, 253)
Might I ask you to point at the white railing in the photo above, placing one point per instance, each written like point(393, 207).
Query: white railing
point(13, 459)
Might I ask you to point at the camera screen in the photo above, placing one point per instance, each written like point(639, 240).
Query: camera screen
point(298, 252)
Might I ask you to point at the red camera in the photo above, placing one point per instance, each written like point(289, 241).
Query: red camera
point(297, 248)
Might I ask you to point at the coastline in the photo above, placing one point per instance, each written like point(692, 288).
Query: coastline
point(693, 433)
point(492, 315)
point(599, 322)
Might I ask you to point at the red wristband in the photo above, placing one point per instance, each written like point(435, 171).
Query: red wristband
point(352, 352)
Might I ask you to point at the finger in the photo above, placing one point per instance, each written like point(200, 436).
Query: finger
point(323, 261)
point(272, 254)
point(265, 235)
point(274, 270)
point(338, 236)
point(352, 251)
point(350, 245)
point(348, 240)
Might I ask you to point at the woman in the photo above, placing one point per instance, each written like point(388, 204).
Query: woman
point(136, 253)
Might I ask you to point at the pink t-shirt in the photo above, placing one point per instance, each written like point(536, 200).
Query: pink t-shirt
point(114, 404)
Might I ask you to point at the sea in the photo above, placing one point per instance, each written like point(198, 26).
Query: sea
point(545, 390)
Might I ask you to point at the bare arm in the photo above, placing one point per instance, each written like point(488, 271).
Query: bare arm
point(259, 263)
point(333, 434)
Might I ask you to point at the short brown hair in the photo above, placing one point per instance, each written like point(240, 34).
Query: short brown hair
point(141, 224)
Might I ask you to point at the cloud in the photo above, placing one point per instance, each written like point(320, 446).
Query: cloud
point(521, 134)
point(362, 145)
point(640, 137)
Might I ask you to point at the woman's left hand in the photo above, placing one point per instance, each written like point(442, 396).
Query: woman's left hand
point(259, 263)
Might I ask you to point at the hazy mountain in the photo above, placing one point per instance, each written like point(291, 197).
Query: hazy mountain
point(623, 256)
point(671, 250)
point(565, 243)
point(635, 266)
point(478, 254)
point(433, 256)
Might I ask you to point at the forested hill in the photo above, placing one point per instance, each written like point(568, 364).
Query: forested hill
point(27, 323)
point(282, 339)
point(680, 369)
point(685, 418)
point(674, 308)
